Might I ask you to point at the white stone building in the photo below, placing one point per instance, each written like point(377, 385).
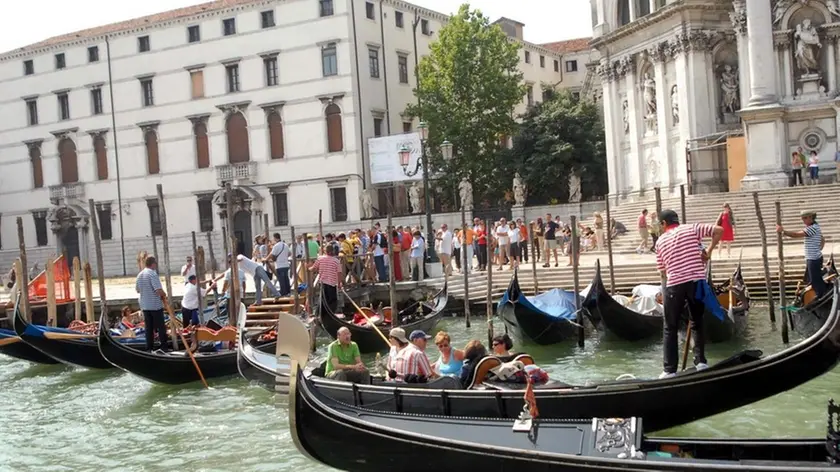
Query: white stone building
point(675, 71)
point(278, 97)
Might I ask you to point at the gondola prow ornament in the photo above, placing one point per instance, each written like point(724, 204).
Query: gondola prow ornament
point(527, 421)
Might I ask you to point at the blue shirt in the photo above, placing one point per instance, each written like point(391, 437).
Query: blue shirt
point(417, 247)
point(147, 285)
point(813, 241)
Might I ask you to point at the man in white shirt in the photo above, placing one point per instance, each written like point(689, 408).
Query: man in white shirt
point(259, 274)
point(280, 256)
point(226, 276)
point(189, 304)
point(445, 252)
point(513, 234)
point(503, 238)
point(188, 269)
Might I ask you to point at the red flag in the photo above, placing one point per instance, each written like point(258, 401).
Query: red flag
point(531, 399)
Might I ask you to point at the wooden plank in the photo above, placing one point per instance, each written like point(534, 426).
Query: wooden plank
point(100, 270)
point(51, 310)
point(77, 287)
point(88, 294)
point(23, 279)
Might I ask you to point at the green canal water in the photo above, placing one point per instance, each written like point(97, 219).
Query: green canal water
point(67, 419)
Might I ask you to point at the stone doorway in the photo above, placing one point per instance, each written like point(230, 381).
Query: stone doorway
point(247, 216)
point(242, 232)
point(69, 223)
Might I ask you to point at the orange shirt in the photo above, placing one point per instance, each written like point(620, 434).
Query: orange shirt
point(523, 234)
point(470, 235)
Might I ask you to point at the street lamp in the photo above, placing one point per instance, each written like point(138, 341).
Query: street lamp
point(405, 158)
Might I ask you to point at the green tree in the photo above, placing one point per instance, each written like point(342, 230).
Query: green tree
point(558, 137)
point(467, 89)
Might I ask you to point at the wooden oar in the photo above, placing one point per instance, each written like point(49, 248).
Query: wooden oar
point(11, 340)
point(186, 346)
point(359, 309)
point(72, 336)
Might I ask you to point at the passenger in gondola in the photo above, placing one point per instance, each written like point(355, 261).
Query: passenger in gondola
point(451, 360)
point(406, 363)
point(344, 361)
point(685, 268)
point(814, 243)
point(473, 353)
point(418, 338)
point(502, 346)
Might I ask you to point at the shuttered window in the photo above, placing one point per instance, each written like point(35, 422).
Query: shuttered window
point(197, 82)
point(275, 135)
point(69, 161)
point(100, 151)
point(37, 168)
point(335, 141)
point(237, 137)
point(202, 145)
point(152, 156)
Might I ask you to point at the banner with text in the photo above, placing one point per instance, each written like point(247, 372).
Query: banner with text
point(384, 155)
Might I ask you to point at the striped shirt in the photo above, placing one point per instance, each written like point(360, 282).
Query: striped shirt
point(813, 242)
point(408, 361)
point(678, 253)
point(329, 269)
point(147, 285)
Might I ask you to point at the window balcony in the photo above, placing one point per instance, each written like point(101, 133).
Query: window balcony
point(240, 173)
point(65, 192)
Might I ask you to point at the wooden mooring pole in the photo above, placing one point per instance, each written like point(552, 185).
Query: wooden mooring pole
point(235, 296)
point(487, 231)
point(77, 288)
point(658, 194)
point(763, 230)
point(294, 267)
point(683, 214)
point(322, 238)
point(780, 247)
point(466, 264)
point(609, 244)
point(100, 264)
point(164, 235)
point(307, 275)
point(23, 281)
point(88, 276)
point(198, 260)
point(51, 308)
point(392, 279)
point(534, 265)
point(576, 278)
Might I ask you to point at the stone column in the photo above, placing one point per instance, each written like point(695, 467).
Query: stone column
point(613, 125)
point(664, 118)
point(633, 13)
point(652, 5)
point(739, 24)
point(635, 177)
point(831, 50)
point(761, 56)
point(787, 72)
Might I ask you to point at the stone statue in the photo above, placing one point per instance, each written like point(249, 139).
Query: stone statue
point(367, 207)
point(675, 104)
point(574, 188)
point(649, 86)
point(832, 7)
point(807, 47)
point(729, 89)
point(518, 190)
point(414, 197)
point(626, 116)
point(465, 192)
point(779, 10)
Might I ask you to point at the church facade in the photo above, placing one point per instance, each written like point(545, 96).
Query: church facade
point(681, 77)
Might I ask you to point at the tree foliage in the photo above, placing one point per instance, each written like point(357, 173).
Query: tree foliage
point(558, 137)
point(467, 89)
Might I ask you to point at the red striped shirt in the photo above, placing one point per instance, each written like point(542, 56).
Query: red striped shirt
point(329, 269)
point(410, 360)
point(678, 253)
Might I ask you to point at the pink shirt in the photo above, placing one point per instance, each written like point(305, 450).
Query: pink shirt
point(642, 221)
point(678, 253)
point(329, 269)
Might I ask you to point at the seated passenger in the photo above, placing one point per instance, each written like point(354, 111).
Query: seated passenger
point(418, 338)
point(473, 353)
point(344, 362)
point(450, 360)
point(406, 363)
point(502, 346)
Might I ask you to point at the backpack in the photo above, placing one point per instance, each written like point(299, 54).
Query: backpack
point(383, 241)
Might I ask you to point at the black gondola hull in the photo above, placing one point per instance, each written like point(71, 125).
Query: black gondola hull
point(662, 403)
point(369, 341)
point(82, 353)
point(21, 350)
point(530, 324)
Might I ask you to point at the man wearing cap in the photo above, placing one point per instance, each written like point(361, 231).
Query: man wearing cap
point(814, 243)
point(344, 361)
point(679, 258)
point(407, 363)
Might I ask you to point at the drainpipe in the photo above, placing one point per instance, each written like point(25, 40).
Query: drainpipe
point(116, 153)
point(357, 75)
point(385, 66)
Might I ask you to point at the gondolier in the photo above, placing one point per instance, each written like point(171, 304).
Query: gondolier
point(152, 297)
point(329, 269)
point(814, 243)
point(677, 256)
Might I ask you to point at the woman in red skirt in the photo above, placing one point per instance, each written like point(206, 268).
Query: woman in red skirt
point(397, 248)
point(726, 220)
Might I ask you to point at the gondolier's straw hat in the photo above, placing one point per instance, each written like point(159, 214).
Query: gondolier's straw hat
point(810, 213)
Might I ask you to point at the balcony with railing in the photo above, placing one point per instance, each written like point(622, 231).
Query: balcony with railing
point(65, 192)
point(242, 172)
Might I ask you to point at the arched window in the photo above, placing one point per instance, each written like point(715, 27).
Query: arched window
point(623, 12)
point(37, 169)
point(100, 151)
point(152, 156)
point(237, 137)
point(335, 142)
point(69, 161)
point(275, 134)
point(202, 146)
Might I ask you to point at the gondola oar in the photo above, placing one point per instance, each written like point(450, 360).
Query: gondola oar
point(73, 336)
point(384, 338)
point(186, 346)
point(10, 340)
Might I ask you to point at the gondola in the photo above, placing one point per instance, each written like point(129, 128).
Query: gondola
point(265, 367)
point(170, 368)
point(81, 351)
point(547, 318)
point(631, 325)
point(320, 426)
point(13, 346)
point(810, 312)
point(663, 403)
point(369, 340)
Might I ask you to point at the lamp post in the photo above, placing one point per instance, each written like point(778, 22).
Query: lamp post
point(405, 157)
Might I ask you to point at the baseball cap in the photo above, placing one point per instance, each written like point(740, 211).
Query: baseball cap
point(669, 217)
point(417, 334)
point(398, 334)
